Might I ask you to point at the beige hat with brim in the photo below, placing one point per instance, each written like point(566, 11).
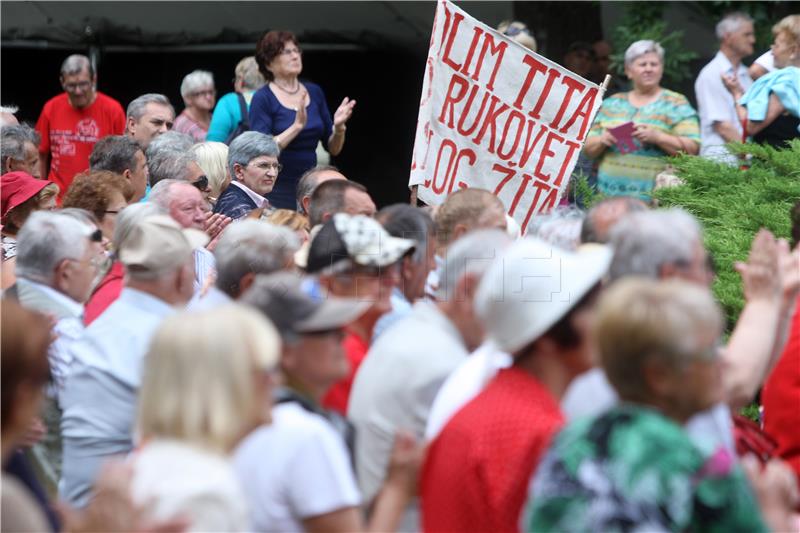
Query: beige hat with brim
point(159, 244)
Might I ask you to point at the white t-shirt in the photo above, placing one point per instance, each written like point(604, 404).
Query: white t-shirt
point(715, 104)
point(293, 469)
point(466, 382)
point(172, 479)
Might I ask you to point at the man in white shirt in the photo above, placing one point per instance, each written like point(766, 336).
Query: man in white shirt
point(57, 259)
point(719, 123)
point(100, 394)
point(398, 380)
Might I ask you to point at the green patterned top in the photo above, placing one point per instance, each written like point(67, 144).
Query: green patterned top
point(633, 174)
point(632, 469)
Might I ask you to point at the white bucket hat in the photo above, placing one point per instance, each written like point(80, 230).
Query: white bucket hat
point(532, 286)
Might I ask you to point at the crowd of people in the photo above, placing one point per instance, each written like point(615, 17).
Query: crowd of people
point(206, 329)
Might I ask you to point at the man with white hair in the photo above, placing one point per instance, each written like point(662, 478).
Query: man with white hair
point(253, 166)
point(100, 395)
point(149, 116)
point(58, 257)
point(245, 250)
point(7, 117)
point(19, 149)
point(719, 123)
point(398, 380)
point(72, 122)
point(669, 244)
point(536, 303)
point(187, 206)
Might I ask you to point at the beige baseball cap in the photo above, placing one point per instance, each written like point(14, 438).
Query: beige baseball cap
point(158, 244)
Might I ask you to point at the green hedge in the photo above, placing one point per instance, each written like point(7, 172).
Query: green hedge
point(732, 205)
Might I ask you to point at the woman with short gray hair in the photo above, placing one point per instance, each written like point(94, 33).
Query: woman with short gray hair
point(634, 130)
point(253, 166)
point(107, 291)
point(199, 95)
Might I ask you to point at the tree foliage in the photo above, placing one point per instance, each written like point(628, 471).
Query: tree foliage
point(733, 204)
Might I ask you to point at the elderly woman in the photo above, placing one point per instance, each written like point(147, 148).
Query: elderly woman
point(771, 107)
point(199, 96)
point(102, 193)
point(207, 384)
point(634, 467)
point(212, 158)
point(254, 167)
point(22, 194)
point(228, 121)
point(295, 112)
point(109, 287)
point(663, 123)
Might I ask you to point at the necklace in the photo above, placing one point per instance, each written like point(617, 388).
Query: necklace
point(287, 91)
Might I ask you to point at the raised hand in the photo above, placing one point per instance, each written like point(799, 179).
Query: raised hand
point(343, 112)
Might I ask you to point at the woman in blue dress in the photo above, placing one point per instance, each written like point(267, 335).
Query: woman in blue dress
point(294, 112)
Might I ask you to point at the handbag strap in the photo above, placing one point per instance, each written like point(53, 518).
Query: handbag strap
point(245, 121)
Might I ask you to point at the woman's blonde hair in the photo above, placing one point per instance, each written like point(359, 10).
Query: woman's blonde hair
point(247, 71)
point(789, 25)
point(199, 382)
point(640, 319)
point(286, 217)
point(212, 158)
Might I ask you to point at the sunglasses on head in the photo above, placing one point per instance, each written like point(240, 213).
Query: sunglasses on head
point(201, 183)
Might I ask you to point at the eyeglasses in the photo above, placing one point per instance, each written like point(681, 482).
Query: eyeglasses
point(200, 184)
point(207, 92)
point(267, 166)
point(290, 51)
point(77, 85)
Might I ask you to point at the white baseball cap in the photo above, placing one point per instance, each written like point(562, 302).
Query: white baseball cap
point(532, 286)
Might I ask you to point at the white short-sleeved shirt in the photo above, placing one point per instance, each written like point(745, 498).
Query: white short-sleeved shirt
point(294, 469)
point(715, 104)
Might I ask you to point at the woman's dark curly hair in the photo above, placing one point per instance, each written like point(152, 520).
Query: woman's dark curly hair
point(269, 46)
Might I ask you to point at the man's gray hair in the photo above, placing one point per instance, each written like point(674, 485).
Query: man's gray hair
point(308, 182)
point(161, 195)
point(409, 222)
point(75, 64)
point(252, 246)
point(560, 227)
point(12, 142)
point(471, 254)
point(10, 109)
point(171, 140)
point(129, 217)
point(137, 106)
point(644, 242)
point(170, 165)
point(731, 23)
point(115, 153)
point(248, 146)
point(640, 48)
point(45, 240)
point(196, 80)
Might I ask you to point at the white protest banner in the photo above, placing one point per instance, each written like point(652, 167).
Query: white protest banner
point(496, 116)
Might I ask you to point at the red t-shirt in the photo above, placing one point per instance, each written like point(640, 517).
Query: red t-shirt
point(69, 134)
point(337, 397)
point(781, 399)
point(105, 294)
point(476, 473)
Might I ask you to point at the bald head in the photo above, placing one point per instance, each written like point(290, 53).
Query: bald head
point(603, 216)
